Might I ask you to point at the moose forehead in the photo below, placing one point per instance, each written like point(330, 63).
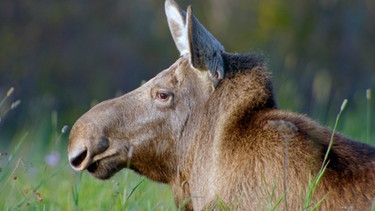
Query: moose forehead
point(171, 75)
point(179, 74)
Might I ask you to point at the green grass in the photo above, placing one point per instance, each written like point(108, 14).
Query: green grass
point(29, 183)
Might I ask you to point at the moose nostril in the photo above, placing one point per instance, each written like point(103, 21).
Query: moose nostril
point(79, 159)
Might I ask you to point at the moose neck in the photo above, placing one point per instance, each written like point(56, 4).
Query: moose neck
point(245, 89)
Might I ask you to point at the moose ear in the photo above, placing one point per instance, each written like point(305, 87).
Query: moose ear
point(191, 37)
point(177, 26)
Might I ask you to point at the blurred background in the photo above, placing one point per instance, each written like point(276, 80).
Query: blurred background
point(62, 57)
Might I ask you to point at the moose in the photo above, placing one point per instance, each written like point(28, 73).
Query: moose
point(209, 126)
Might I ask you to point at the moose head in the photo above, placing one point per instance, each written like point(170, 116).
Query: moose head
point(143, 129)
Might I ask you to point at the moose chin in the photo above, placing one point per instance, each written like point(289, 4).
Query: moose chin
point(209, 126)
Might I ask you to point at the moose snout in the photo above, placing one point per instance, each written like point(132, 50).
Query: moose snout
point(81, 152)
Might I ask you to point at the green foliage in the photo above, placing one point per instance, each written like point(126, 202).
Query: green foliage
point(30, 183)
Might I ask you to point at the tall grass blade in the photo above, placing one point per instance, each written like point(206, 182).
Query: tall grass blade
point(184, 203)
point(317, 205)
point(368, 114)
point(10, 176)
point(133, 190)
point(314, 184)
point(9, 93)
point(16, 148)
point(75, 192)
point(279, 201)
point(10, 158)
point(75, 196)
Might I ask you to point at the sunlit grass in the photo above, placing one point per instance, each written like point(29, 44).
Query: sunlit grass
point(4, 109)
point(31, 183)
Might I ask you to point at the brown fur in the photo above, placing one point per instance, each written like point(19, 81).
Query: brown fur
point(246, 154)
point(217, 135)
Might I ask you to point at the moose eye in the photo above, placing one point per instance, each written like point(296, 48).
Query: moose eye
point(163, 96)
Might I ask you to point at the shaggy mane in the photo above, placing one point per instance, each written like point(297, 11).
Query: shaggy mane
point(234, 63)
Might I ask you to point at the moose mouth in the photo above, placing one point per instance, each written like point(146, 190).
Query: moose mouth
point(104, 169)
point(93, 167)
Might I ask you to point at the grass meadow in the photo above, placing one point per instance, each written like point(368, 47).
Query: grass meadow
point(35, 173)
point(37, 177)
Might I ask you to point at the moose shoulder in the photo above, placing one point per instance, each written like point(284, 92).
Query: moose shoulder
point(209, 127)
